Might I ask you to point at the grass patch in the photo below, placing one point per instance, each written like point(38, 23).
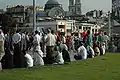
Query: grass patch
point(100, 68)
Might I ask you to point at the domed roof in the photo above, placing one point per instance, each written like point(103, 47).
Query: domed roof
point(52, 2)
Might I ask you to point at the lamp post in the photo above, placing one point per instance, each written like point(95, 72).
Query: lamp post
point(109, 25)
point(34, 15)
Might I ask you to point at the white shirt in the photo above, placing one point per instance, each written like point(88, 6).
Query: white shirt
point(50, 40)
point(63, 46)
point(29, 60)
point(16, 38)
point(64, 39)
point(36, 42)
point(37, 39)
point(83, 52)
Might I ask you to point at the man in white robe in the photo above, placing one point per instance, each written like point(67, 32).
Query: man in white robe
point(82, 51)
point(37, 53)
point(29, 60)
point(58, 55)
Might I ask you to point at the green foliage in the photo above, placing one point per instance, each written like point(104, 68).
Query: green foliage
point(100, 68)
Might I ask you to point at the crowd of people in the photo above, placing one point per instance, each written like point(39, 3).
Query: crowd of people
point(23, 49)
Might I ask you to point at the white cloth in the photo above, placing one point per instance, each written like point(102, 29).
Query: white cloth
point(27, 37)
point(92, 51)
point(63, 46)
point(59, 57)
point(0, 66)
point(29, 60)
point(103, 47)
point(36, 42)
point(63, 39)
point(105, 38)
point(82, 52)
point(37, 39)
point(16, 38)
point(50, 40)
point(2, 37)
point(37, 59)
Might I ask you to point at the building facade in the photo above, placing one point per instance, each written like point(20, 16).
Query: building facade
point(81, 27)
point(66, 26)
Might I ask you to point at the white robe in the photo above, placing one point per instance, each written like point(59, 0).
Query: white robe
point(93, 53)
point(37, 58)
point(63, 46)
point(29, 60)
point(0, 66)
point(82, 52)
point(103, 47)
point(59, 57)
point(37, 53)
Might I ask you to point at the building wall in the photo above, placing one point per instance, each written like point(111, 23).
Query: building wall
point(81, 27)
point(67, 24)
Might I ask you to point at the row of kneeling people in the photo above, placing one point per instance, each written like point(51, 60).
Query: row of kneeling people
point(55, 52)
point(60, 55)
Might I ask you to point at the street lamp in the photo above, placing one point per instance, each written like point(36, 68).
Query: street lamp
point(109, 25)
point(34, 15)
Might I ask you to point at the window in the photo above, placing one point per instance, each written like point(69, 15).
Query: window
point(80, 27)
point(61, 26)
point(69, 30)
point(95, 30)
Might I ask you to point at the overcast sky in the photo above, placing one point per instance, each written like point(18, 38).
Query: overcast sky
point(87, 5)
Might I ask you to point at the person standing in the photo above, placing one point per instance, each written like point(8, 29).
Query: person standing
point(17, 56)
point(27, 41)
point(7, 60)
point(37, 53)
point(2, 53)
point(50, 43)
point(89, 39)
point(105, 40)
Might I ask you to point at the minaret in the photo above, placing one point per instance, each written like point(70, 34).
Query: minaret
point(78, 7)
point(72, 6)
point(75, 6)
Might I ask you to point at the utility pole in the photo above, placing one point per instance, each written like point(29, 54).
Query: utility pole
point(34, 15)
point(109, 26)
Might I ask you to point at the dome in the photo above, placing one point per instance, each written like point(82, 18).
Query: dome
point(51, 4)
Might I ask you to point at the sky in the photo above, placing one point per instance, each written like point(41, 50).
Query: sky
point(87, 5)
